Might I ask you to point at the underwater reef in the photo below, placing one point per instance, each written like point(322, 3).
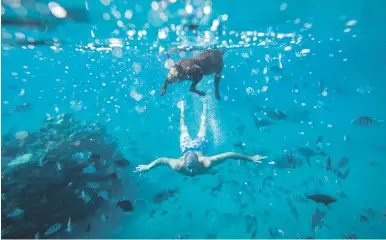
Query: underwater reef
point(56, 176)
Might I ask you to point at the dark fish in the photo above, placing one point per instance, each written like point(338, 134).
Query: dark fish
point(122, 163)
point(164, 195)
point(79, 15)
point(262, 122)
point(327, 109)
point(293, 209)
point(266, 181)
point(321, 198)
point(164, 212)
point(22, 108)
point(254, 231)
point(34, 42)
point(307, 153)
point(274, 113)
point(341, 175)
point(327, 167)
point(274, 233)
point(363, 218)
point(125, 205)
point(275, 68)
point(317, 218)
point(191, 27)
point(217, 188)
point(40, 24)
point(251, 225)
point(89, 226)
point(240, 145)
point(113, 175)
point(364, 121)
point(343, 162)
point(179, 208)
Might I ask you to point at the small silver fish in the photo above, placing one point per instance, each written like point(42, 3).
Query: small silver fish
point(17, 213)
point(53, 229)
point(341, 194)
point(104, 195)
point(85, 197)
point(326, 179)
point(103, 217)
point(58, 167)
point(37, 235)
point(42, 162)
point(93, 185)
point(69, 226)
point(89, 169)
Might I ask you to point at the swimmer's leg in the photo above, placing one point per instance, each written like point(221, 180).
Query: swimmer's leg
point(184, 129)
point(202, 131)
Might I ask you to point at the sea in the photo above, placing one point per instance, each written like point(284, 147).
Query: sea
point(303, 83)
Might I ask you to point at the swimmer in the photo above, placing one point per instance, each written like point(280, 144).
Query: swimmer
point(193, 162)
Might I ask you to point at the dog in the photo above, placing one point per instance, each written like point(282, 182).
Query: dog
point(194, 69)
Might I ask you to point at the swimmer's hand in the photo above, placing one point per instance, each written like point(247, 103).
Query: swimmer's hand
point(258, 158)
point(142, 168)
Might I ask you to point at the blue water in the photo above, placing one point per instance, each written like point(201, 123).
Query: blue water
point(100, 86)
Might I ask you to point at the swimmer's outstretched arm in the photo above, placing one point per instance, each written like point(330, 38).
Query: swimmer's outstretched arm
point(209, 161)
point(175, 164)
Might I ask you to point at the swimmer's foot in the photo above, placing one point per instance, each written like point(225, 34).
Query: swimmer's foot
point(181, 105)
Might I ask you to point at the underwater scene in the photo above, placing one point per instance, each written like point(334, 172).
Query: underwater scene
point(193, 119)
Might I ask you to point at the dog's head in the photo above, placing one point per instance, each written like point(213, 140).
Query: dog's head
point(173, 74)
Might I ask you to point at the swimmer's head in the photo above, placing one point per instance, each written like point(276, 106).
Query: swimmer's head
point(192, 162)
point(173, 75)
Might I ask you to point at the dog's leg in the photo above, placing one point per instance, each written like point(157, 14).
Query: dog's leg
point(193, 87)
point(217, 78)
point(164, 87)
